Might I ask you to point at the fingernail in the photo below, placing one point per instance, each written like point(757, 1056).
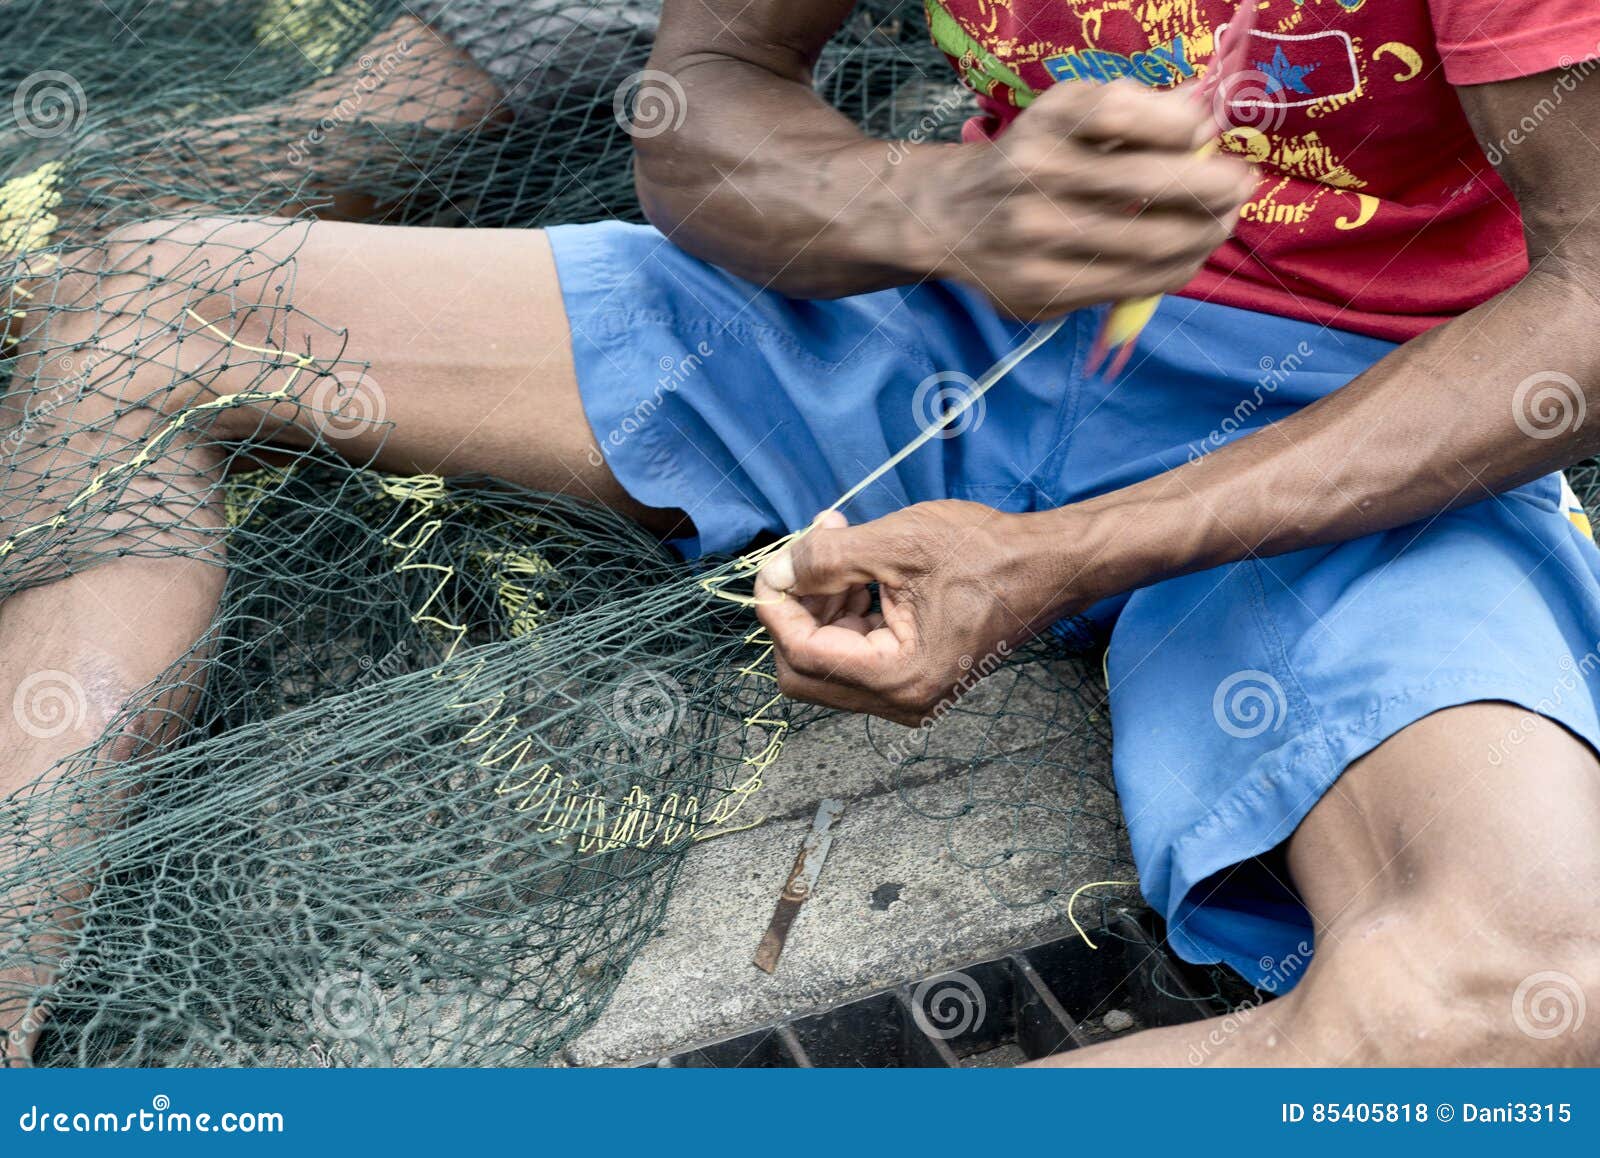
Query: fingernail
point(778, 571)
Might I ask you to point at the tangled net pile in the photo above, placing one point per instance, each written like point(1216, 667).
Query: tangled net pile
point(419, 791)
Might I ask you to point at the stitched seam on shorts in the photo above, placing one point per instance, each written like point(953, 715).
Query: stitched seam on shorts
point(1301, 702)
point(1055, 489)
point(1364, 725)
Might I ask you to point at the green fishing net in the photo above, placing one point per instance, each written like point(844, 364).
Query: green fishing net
point(420, 788)
point(419, 791)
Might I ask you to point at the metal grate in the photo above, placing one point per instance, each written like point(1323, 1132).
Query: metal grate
point(1022, 1005)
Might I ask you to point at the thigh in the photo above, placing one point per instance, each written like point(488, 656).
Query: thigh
point(426, 350)
point(1482, 834)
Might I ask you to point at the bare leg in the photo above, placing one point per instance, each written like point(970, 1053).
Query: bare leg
point(74, 654)
point(1453, 901)
point(457, 338)
point(290, 157)
point(307, 147)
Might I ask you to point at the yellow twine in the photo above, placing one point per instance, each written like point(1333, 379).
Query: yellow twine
point(1072, 900)
point(157, 442)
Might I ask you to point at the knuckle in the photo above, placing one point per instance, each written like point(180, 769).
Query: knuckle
point(816, 553)
point(1034, 154)
point(922, 694)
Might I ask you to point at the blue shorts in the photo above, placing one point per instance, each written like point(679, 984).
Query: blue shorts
point(1239, 694)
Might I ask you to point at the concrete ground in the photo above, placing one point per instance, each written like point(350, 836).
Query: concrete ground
point(944, 861)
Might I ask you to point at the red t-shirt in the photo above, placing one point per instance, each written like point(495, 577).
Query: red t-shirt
point(1378, 210)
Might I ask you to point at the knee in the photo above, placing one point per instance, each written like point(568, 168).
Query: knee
point(1461, 989)
point(138, 319)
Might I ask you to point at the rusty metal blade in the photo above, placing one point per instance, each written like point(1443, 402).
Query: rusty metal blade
point(801, 884)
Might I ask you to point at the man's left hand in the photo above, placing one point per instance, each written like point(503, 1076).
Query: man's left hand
point(957, 584)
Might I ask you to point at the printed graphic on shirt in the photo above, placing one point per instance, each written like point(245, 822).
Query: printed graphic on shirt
point(1301, 71)
point(1368, 164)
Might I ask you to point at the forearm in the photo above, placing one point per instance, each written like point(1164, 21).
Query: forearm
point(1440, 423)
point(766, 180)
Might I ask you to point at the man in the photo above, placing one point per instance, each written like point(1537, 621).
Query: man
point(1318, 507)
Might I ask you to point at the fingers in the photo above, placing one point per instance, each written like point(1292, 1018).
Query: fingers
point(854, 666)
point(1122, 113)
point(1214, 185)
point(831, 558)
point(1153, 237)
point(858, 648)
point(833, 694)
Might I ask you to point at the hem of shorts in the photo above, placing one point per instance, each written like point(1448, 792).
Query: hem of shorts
point(651, 474)
point(1254, 815)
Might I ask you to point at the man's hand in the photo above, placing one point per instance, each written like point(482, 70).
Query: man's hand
point(957, 585)
point(1095, 193)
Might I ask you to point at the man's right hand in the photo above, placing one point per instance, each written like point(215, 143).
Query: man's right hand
point(1096, 192)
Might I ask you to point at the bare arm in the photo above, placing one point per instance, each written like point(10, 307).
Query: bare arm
point(1493, 399)
point(1487, 402)
point(763, 178)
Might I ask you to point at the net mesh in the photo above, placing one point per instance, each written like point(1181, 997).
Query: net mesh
point(419, 790)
